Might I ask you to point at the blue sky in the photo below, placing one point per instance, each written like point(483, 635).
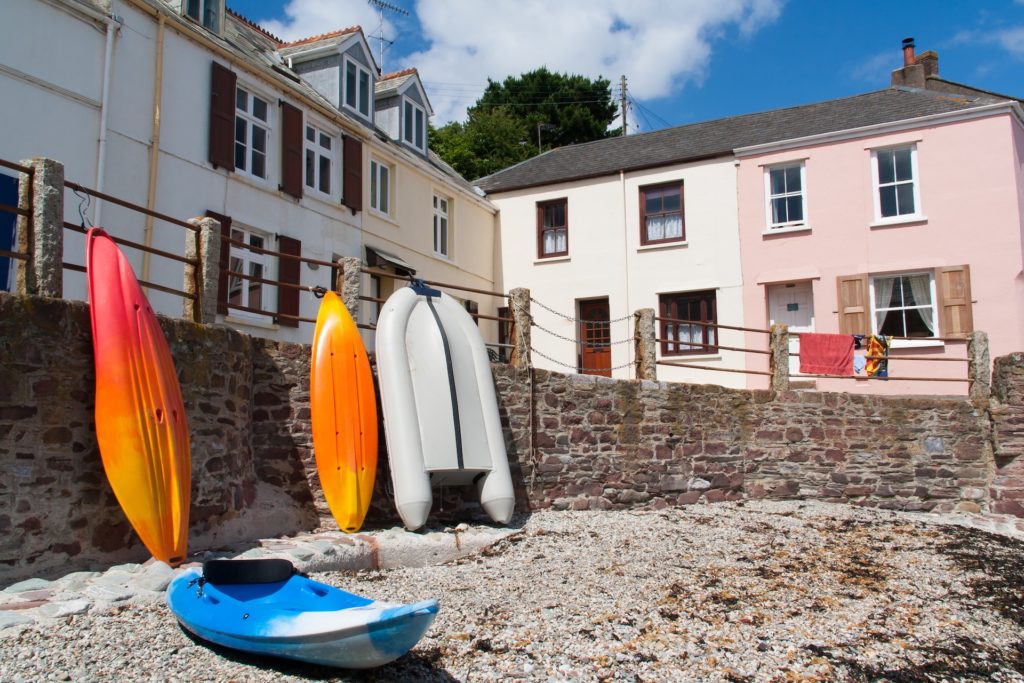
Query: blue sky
point(684, 60)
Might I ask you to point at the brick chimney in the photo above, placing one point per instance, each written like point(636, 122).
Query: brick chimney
point(916, 68)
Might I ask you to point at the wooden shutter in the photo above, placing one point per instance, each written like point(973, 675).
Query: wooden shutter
point(352, 185)
point(854, 310)
point(222, 117)
point(288, 270)
point(291, 150)
point(223, 261)
point(953, 285)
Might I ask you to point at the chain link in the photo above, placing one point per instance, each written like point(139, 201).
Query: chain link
point(578, 320)
point(576, 341)
point(575, 368)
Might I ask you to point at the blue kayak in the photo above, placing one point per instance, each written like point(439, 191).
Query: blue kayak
point(265, 607)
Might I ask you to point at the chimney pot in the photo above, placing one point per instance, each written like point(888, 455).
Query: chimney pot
point(908, 51)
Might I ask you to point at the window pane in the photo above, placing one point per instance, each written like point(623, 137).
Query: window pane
point(364, 93)
point(778, 180)
point(902, 161)
point(890, 323)
point(259, 139)
point(793, 179)
point(796, 208)
point(240, 156)
point(259, 164)
point(653, 203)
point(444, 236)
point(655, 228)
point(915, 324)
point(259, 109)
point(887, 199)
point(350, 84)
point(255, 288)
point(310, 167)
point(672, 202)
point(408, 122)
point(905, 198)
point(325, 175)
point(325, 141)
point(419, 128)
point(374, 202)
point(917, 290)
point(241, 100)
point(886, 167)
point(779, 212)
point(384, 189)
point(310, 133)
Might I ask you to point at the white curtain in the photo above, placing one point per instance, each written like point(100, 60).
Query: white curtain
point(664, 227)
point(554, 241)
point(920, 286)
point(883, 293)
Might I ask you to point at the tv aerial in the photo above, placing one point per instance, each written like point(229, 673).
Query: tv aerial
point(383, 6)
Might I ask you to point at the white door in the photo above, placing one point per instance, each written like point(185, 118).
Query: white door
point(792, 305)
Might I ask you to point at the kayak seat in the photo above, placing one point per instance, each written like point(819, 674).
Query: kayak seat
point(234, 572)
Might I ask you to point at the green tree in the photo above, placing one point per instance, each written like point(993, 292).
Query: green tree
point(524, 115)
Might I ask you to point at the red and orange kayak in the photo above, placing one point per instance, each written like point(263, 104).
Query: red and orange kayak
point(343, 410)
point(141, 425)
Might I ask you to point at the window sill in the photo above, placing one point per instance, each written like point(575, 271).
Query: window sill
point(917, 344)
point(787, 230)
point(662, 245)
point(552, 259)
point(443, 257)
point(261, 322)
point(387, 218)
point(900, 221)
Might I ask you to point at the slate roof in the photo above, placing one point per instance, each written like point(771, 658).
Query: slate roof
point(719, 137)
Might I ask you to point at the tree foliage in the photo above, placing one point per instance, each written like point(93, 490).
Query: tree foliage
point(504, 125)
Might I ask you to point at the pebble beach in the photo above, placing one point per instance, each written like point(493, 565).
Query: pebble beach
point(756, 591)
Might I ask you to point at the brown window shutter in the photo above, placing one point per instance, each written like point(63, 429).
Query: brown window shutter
point(291, 150)
point(288, 270)
point(854, 311)
point(352, 190)
point(222, 117)
point(222, 261)
point(954, 289)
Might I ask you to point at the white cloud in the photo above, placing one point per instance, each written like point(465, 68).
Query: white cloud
point(1011, 40)
point(660, 45)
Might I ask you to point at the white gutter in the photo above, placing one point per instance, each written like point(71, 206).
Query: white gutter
point(114, 24)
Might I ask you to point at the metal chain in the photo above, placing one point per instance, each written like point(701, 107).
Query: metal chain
point(578, 320)
point(576, 341)
point(575, 368)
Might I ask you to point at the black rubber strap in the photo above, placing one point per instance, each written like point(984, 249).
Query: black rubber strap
point(451, 384)
point(247, 571)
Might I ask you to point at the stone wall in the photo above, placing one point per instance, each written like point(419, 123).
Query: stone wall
point(608, 444)
point(574, 442)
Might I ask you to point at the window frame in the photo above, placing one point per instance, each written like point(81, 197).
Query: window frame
point(377, 170)
point(669, 301)
point(541, 228)
point(316, 148)
point(249, 258)
point(414, 119)
point(445, 216)
point(773, 226)
point(252, 121)
point(915, 181)
point(643, 190)
point(363, 77)
point(932, 293)
point(203, 13)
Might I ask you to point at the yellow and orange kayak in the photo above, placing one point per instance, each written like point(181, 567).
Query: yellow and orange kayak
point(141, 425)
point(343, 411)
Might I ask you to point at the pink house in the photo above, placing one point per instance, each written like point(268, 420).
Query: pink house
point(911, 228)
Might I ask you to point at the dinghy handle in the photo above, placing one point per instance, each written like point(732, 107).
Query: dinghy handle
point(421, 288)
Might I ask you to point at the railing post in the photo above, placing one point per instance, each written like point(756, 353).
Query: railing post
point(350, 283)
point(41, 235)
point(646, 346)
point(519, 302)
point(779, 347)
point(979, 367)
point(202, 245)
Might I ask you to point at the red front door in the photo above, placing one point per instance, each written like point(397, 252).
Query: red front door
point(594, 336)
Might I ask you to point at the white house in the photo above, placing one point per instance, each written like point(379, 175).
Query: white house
point(189, 109)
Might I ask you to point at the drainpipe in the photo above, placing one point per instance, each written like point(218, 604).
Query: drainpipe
point(114, 24)
point(625, 251)
point(154, 148)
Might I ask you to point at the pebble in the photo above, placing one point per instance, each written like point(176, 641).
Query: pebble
point(756, 591)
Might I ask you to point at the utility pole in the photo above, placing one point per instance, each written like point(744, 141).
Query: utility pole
point(624, 104)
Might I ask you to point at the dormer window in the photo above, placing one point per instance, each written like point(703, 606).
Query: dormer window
point(414, 126)
point(358, 88)
point(205, 12)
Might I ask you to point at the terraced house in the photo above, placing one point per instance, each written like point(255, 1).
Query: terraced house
point(898, 212)
point(303, 147)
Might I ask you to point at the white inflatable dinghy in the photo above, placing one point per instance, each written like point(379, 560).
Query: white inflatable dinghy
point(440, 411)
